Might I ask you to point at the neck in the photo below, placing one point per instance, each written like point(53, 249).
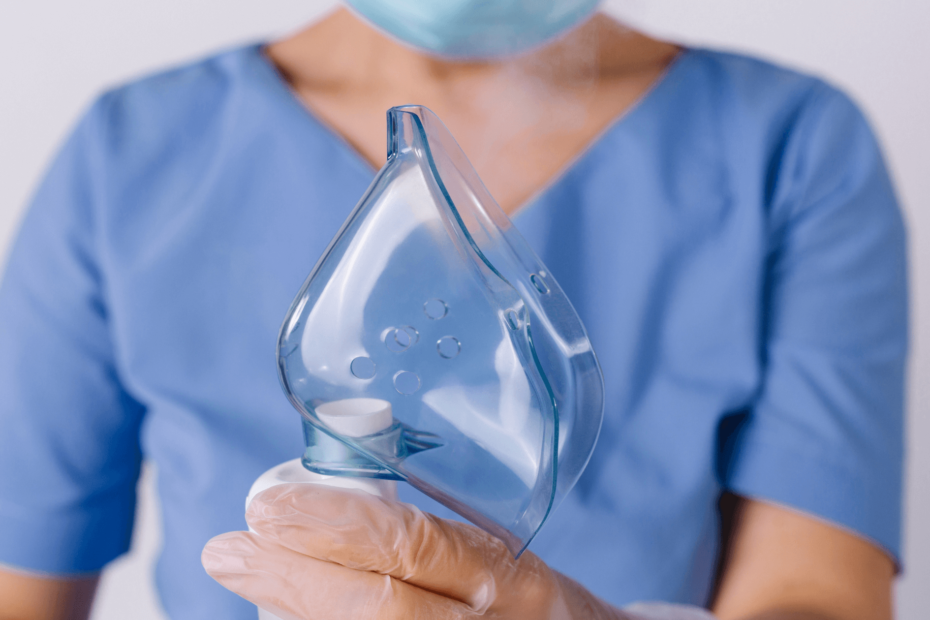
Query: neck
point(359, 58)
point(520, 120)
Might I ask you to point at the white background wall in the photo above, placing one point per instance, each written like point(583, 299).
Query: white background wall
point(56, 54)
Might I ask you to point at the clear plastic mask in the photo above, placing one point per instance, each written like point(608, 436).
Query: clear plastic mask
point(428, 306)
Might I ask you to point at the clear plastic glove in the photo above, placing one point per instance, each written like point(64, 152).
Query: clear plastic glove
point(321, 553)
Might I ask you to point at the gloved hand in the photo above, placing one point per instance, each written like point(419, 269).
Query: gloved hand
point(321, 553)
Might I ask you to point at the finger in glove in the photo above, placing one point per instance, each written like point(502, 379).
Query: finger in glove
point(296, 587)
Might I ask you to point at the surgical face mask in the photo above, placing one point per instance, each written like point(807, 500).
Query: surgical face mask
point(431, 345)
point(474, 29)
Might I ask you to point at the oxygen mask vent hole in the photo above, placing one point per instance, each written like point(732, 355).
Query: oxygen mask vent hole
point(406, 382)
point(400, 339)
point(539, 283)
point(435, 309)
point(363, 367)
point(448, 347)
point(513, 320)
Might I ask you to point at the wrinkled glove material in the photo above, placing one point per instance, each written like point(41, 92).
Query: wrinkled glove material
point(321, 553)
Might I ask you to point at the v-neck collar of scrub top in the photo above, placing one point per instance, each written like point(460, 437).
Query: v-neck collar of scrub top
point(284, 92)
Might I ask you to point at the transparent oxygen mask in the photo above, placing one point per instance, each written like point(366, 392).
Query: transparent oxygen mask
point(430, 317)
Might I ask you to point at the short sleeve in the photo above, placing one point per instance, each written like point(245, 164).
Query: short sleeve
point(825, 434)
point(69, 433)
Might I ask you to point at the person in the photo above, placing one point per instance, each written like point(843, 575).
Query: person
point(726, 229)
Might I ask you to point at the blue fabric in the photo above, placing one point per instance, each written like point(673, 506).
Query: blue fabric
point(733, 245)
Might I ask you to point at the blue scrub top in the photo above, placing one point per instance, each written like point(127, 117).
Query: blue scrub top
point(732, 243)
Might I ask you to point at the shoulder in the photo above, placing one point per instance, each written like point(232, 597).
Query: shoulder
point(752, 86)
point(782, 127)
point(180, 103)
point(181, 92)
point(747, 99)
point(148, 144)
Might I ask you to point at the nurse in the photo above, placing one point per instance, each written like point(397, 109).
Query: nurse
point(726, 229)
